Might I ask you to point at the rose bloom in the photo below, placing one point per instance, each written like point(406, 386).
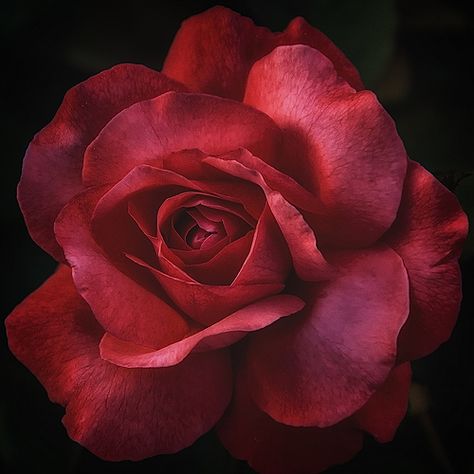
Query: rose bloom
point(243, 245)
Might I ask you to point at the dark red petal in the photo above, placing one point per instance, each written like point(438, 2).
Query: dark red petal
point(428, 234)
point(386, 408)
point(273, 448)
point(207, 304)
point(56, 153)
point(213, 51)
point(152, 129)
point(122, 305)
point(225, 332)
point(308, 261)
point(319, 368)
point(114, 412)
point(339, 144)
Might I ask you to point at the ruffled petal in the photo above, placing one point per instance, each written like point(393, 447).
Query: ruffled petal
point(56, 153)
point(114, 412)
point(131, 309)
point(273, 448)
point(214, 51)
point(428, 234)
point(152, 129)
point(320, 367)
point(386, 408)
point(223, 333)
point(356, 169)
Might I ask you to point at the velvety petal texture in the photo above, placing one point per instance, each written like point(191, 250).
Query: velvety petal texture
point(54, 333)
point(244, 245)
point(356, 171)
point(317, 369)
point(56, 152)
point(274, 448)
point(428, 234)
point(214, 51)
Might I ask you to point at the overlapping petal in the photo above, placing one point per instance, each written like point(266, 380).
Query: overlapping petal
point(56, 153)
point(340, 144)
point(114, 412)
point(318, 369)
point(252, 317)
point(274, 448)
point(151, 130)
point(428, 234)
point(214, 51)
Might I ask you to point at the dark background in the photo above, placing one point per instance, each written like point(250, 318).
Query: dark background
point(416, 55)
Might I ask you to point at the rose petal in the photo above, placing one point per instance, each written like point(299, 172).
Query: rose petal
point(56, 153)
point(273, 448)
point(213, 51)
point(127, 308)
point(207, 304)
point(384, 411)
point(308, 261)
point(317, 369)
point(152, 129)
point(225, 332)
point(428, 234)
point(355, 168)
point(114, 412)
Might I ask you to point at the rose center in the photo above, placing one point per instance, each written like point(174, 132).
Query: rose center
point(197, 236)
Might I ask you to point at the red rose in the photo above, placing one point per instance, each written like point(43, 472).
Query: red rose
point(250, 249)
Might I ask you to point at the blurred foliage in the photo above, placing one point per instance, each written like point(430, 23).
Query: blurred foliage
point(416, 54)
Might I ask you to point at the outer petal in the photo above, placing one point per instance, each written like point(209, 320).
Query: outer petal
point(356, 168)
point(116, 413)
point(274, 448)
point(213, 51)
point(428, 234)
point(320, 368)
point(130, 309)
point(384, 411)
point(150, 130)
point(223, 333)
point(55, 155)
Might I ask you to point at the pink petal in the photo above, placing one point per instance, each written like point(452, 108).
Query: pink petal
point(114, 412)
point(55, 155)
point(386, 408)
point(273, 448)
point(129, 308)
point(152, 129)
point(318, 369)
point(308, 261)
point(225, 332)
point(213, 51)
point(339, 144)
point(428, 234)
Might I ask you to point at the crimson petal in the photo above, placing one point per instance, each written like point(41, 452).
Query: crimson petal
point(357, 168)
point(318, 369)
point(56, 152)
point(428, 234)
point(114, 412)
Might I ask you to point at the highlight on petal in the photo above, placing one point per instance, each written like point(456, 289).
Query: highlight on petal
point(319, 368)
point(114, 412)
point(428, 234)
point(214, 51)
point(152, 129)
point(308, 261)
point(274, 448)
point(225, 332)
point(56, 153)
point(357, 168)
